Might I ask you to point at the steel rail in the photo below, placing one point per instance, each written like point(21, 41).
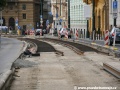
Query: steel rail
point(78, 51)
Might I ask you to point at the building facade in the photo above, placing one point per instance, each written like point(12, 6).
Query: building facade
point(47, 15)
point(111, 18)
point(99, 21)
point(77, 19)
point(60, 13)
point(23, 13)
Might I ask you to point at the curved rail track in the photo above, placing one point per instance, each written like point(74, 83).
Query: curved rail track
point(44, 47)
point(72, 45)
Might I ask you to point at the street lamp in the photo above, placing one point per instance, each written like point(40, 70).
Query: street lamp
point(56, 16)
point(68, 13)
point(93, 20)
point(60, 7)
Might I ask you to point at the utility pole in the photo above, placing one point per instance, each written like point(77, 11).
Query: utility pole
point(68, 13)
point(115, 22)
point(87, 26)
point(56, 7)
point(106, 14)
point(93, 20)
point(60, 14)
point(56, 14)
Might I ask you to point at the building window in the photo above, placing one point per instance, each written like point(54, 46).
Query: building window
point(24, 16)
point(23, 7)
point(24, 27)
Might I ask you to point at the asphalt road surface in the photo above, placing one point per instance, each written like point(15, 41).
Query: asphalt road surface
point(9, 51)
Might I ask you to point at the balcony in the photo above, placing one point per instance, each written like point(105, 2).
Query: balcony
point(12, 0)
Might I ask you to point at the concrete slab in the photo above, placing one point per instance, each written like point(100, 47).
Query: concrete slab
point(56, 72)
point(113, 68)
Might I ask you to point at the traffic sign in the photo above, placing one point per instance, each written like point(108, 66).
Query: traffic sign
point(115, 4)
point(115, 9)
point(16, 24)
point(16, 21)
point(19, 27)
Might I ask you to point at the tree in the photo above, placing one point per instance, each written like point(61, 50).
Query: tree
point(2, 3)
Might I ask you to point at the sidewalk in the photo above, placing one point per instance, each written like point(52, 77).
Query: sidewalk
point(101, 42)
point(89, 41)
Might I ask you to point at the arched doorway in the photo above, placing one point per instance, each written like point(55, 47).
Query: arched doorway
point(12, 23)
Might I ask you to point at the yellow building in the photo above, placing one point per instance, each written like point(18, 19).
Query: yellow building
point(25, 12)
point(100, 21)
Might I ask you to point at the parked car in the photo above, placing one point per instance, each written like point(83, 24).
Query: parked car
point(112, 34)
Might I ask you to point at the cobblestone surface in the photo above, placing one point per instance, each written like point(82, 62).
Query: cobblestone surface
point(55, 72)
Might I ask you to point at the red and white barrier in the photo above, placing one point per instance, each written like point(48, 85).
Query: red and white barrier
point(76, 34)
point(66, 34)
point(32, 32)
point(106, 40)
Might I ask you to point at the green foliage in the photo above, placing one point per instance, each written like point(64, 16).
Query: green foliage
point(2, 3)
